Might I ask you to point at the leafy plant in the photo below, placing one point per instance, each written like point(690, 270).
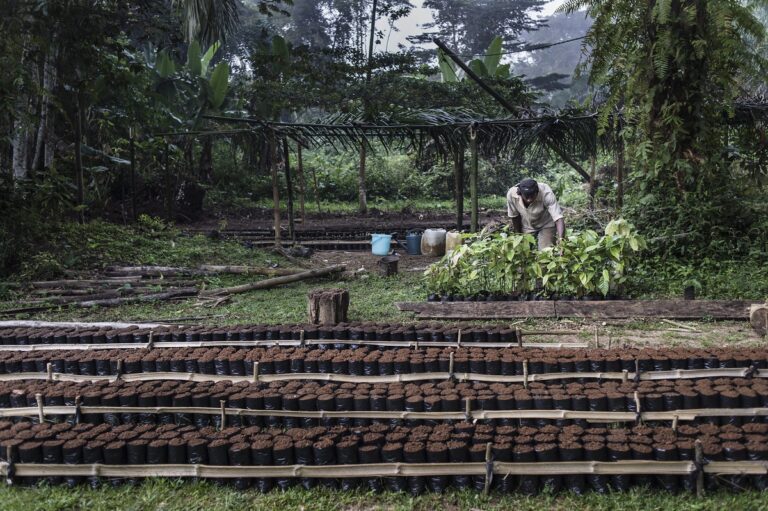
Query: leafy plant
point(584, 264)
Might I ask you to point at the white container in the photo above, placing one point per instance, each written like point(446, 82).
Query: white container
point(433, 243)
point(452, 240)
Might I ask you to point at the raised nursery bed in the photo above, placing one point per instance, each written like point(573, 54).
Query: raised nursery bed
point(376, 457)
point(601, 309)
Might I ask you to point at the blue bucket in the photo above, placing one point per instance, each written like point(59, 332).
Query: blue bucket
point(380, 244)
point(413, 243)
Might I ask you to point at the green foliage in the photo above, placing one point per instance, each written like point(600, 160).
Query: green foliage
point(485, 67)
point(671, 72)
point(582, 264)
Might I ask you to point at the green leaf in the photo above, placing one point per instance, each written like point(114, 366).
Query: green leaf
point(493, 56)
point(446, 68)
point(205, 60)
point(193, 58)
point(478, 67)
point(164, 65)
point(219, 84)
point(634, 244)
point(279, 47)
point(503, 71)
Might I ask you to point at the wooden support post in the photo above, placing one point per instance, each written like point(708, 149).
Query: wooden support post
point(131, 134)
point(289, 187)
point(328, 306)
point(473, 176)
point(168, 191)
point(489, 469)
point(458, 178)
point(758, 318)
point(302, 181)
point(272, 150)
point(317, 189)
point(79, 177)
point(699, 459)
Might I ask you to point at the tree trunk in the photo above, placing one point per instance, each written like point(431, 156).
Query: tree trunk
point(206, 160)
point(43, 155)
point(361, 193)
point(79, 177)
point(458, 181)
point(473, 181)
point(272, 149)
point(20, 149)
point(289, 189)
point(328, 306)
point(302, 181)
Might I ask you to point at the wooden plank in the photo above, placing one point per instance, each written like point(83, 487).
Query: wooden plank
point(609, 309)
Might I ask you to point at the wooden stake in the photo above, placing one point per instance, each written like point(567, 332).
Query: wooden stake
point(699, 458)
point(223, 414)
point(289, 188)
point(473, 177)
point(525, 373)
point(519, 335)
point(272, 149)
point(40, 413)
point(49, 371)
point(450, 365)
point(255, 372)
point(302, 181)
point(488, 473)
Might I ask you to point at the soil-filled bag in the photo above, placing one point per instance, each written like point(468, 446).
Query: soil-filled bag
point(30, 452)
point(197, 451)
point(240, 456)
point(712, 452)
point(528, 485)
point(458, 452)
point(619, 452)
point(415, 452)
point(254, 401)
point(393, 453)
point(261, 455)
point(666, 452)
point(573, 451)
point(324, 453)
point(282, 455)
point(503, 452)
point(201, 400)
point(72, 454)
point(758, 452)
point(93, 452)
point(732, 451)
point(177, 451)
point(437, 452)
point(597, 452)
point(369, 454)
point(477, 455)
point(549, 453)
point(114, 454)
point(302, 450)
point(53, 454)
point(157, 452)
point(642, 452)
point(112, 400)
point(346, 454)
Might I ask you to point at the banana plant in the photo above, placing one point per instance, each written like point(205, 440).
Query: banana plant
point(486, 67)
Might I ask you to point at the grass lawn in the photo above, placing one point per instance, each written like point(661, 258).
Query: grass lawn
point(188, 496)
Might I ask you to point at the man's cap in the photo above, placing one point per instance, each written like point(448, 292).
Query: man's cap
point(528, 188)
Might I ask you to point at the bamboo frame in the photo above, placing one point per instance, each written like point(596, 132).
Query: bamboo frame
point(626, 467)
point(41, 411)
point(285, 343)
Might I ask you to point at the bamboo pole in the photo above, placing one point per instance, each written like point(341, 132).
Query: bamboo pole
point(473, 177)
point(289, 187)
point(277, 281)
point(302, 181)
point(624, 467)
point(272, 150)
point(408, 377)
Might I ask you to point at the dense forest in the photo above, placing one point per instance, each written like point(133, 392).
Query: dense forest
point(112, 110)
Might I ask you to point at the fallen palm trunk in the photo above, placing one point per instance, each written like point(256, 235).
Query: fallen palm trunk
point(205, 269)
point(278, 281)
point(112, 302)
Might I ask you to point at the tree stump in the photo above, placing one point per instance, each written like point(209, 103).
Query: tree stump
point(328, 306)
point(758, 318)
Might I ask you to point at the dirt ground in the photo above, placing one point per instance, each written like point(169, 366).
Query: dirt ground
point(359, 261)
point(386, 221)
